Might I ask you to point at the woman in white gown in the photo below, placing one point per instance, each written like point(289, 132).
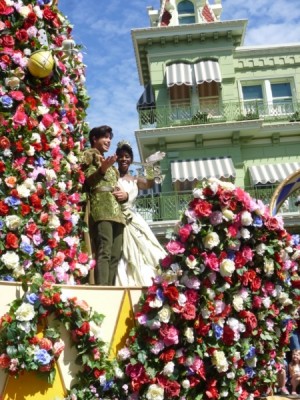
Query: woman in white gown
point(141, 250)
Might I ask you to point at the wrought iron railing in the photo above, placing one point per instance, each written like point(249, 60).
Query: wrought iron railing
point(169, 206)
point(160, 117)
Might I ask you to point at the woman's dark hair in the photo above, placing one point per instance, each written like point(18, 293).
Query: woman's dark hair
point(98, 132)
point(124, 147)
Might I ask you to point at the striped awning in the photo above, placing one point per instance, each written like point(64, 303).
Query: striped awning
point(207, 71)
point(202, 169)
point(179, 74)
point(272, 173)
point(147, 99)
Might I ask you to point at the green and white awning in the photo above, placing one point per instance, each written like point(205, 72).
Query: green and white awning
point(272, 173)
point(190, 170)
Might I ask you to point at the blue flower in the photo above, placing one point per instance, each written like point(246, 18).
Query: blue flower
point(249, 371)
point(12, 201)
point(32, 298)
point(47, 250)
point(107, 385)
point(257, 221)
point(1, 223)
point(296, 239)
point(7, 278)
point(40, 161)
point(6, 101)
point(42, 357)
point(218, 331)
point(27, 248)
point(251, 353)
point(160, 295)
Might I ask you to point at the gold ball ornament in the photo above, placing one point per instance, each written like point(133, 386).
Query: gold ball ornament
point(41, 63)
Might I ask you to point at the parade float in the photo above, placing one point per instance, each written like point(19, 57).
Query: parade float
point(215, 323)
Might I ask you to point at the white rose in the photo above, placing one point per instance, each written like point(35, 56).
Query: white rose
point(95, 330)
point(246, 218)
point(53, 222)
point(164, 314)
point(155, 392)
point(227, 267)
point(185, 384)
point(156, 303)
point(268, 266)
point(168, 368)
point(62, 186)
point(36, 138)
point(24, 11)
point(228, 215)
point(72, 158)
point(219, 361)
point(13, 222)
point(266, 302)
point(10, 259)
point(189, 334)
point(23, 191)
point(30, 151)
point(191, 262)
point(12, 82)
point(54, 143)
point(50, 175)
point(260, 249)
point(42, 110)
point(211, 240)
point(238, 303)
point(25, 312)
point(245, 234)
point(284, 299)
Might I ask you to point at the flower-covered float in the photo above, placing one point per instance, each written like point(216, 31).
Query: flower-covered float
point(216, 323)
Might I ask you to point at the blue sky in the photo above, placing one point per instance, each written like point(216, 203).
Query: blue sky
point(103, 28)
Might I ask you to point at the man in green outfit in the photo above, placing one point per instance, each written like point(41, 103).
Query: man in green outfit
point(105, 210)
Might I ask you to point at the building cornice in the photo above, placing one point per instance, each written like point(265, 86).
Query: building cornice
point(144, 37)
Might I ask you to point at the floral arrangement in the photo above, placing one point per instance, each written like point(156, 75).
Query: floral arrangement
point(27, 343)
point(217, 322)
point(42, 132)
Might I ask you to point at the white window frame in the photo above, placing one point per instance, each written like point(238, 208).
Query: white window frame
point(268, 104)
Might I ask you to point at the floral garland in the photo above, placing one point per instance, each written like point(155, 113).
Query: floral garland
point(42, 132)
point(28, 344)
point(216, 324)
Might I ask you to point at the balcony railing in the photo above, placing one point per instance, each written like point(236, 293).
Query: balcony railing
point(169, 206)
point(161, 117)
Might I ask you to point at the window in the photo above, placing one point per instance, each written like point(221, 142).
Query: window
point(180, 95)
point(209, 96)
point(267, 98)
point(186, 12)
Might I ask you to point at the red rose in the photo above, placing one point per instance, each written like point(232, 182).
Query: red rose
point(228, 336)
point(52, 243)
point(11, 241)
point(4, 9)
point(201, 208)
point(25, 209)
point(61, 231)
point(68, 226)
point(192, 296)
point(171, 292)
point(167, 355)
point(255, 284)
point(31, 229)
point(4, 143)
point(257, 302)
point(201, 328)
point(7, 41)
point(2, 167)
point(250, 320)
point(4, 208)
point(4, 361)
point(51, 16)
point(85, 327)
point(22, 35)
point(30, 20)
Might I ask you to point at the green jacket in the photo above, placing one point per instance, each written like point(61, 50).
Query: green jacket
point(103, 204)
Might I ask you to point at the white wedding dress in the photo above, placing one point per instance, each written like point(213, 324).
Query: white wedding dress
point(141, 250)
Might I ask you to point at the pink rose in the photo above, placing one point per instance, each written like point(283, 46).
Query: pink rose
point(211, 261)
point(184, 232)
point(47, 120)
point(58, 347)
point(169, 335)
point(175, 247)
point(17, 95)
point(20, 117)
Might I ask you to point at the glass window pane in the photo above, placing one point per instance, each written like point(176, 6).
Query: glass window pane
point(281, 90)
point(186, 7)
point(187, 20)
point(252, 92)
